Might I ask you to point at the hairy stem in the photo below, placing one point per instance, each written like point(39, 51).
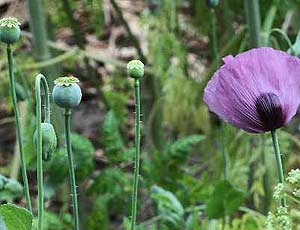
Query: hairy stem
point(18, 126)
point(39, 145)
point(278, 163)
point(71, 168)
point(137, 152)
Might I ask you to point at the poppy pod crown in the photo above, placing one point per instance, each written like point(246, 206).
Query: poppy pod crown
point(258, 90)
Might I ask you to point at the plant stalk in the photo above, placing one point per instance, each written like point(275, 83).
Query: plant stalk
point(71, 168)
point(137, 152)
point(39, 145)
point(38, 26)
point(224, 151)
point(278, 164)
point(254, 22)
point(18, 127)
point(214, 36)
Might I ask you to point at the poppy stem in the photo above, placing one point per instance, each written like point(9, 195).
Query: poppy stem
point(40, 79)
point(278, 163)
point(137, 152)
point(224, 151)
point(71, 168)
point(18, 126)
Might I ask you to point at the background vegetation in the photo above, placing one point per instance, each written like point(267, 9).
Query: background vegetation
point(181, 183)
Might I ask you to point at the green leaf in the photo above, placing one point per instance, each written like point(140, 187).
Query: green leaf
point(83, 160)
point(99, 215)
point(13, 217)
point(182, 147)
point(10, 189)
point(169, 208)
point(224, 200)
point(111, 138)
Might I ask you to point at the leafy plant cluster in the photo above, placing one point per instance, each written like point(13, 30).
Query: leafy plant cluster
point(182, 165)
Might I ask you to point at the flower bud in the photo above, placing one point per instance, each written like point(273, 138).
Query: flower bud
point(212, 3)
point(66, 92)
point(49, 140)
point(135, 69)
point(10, 31)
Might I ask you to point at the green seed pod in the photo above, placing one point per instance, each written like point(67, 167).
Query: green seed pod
point(21, 92)
point(10, 31)
point(66, 92)
point(135, 69)
point(212, 3)
point(49, 140)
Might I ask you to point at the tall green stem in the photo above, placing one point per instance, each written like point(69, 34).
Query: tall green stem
point(224, 151)
point(41, 79)
point(254, 23)
point(137, 152)
point(228, 20)
point(278, 163)
point(214, 33)
point(18, 127)
point(38, 26)
point(71, 168)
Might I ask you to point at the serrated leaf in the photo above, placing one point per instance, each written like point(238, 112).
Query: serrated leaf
point(224, 200)
point(111, 138)
point(183, 146)
point(15, 218)
point(169, 207)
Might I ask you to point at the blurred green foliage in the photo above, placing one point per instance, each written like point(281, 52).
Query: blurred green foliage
point(180, 180)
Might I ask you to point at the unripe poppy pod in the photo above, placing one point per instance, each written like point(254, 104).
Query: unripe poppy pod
point(135, 69)
point(49, 140)
point(67, 93)
point(10, 31)
point(212, 3)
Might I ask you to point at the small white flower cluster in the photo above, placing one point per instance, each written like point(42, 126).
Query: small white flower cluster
point(279, 191)
point(294, 179)
point(280, 221)
point(294, 176)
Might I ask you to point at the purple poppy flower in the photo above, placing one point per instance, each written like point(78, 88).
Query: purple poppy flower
point(257, 91)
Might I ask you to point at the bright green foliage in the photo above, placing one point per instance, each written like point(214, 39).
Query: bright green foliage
point(10, 189)
point(249, 222)
point(55, 222)
point(118, 101)
point(181, 148)
point(13, 217)
point(168, 207)
point(192, 222)
point(224, 200)
point(166, 168)
point(83, 159)
point(99, 215)
point(118, 192)
point(111, 138)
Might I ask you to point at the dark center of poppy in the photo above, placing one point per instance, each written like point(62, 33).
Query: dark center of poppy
point(269, 110)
